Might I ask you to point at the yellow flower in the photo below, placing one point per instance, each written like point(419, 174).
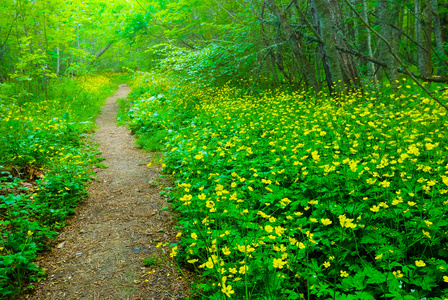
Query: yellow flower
point(243, 269)
point(397, 274)
point(269, 228)
point(344, 274)
point(385, 183)
point(194, 236)
point(284, 202)
point(279, 230)
point(420, 263)
point(198, 156)
point(173, 252)
point(371, 181)
point(346, 222)
point(326, 264)
point(378, 256)
point(426, 233)
point(186, 198)
point(445, 278)
point(375, 208)
point(226, 250)
point(278, 263)
point(227, 289)
point(192, 261)
point(209, 264)
point(326, 222)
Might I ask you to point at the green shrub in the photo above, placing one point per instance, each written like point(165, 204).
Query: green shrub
point(280, 198)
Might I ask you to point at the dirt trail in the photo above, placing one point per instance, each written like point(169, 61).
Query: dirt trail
point(99, 255)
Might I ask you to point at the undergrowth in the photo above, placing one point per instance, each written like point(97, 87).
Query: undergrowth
point(45, 154)
point(297, 196)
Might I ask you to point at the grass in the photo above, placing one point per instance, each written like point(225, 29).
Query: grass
point(302, 196)
point(45, 156)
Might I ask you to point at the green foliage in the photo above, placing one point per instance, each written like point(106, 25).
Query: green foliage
point(44, 163)
point(282, 199)
point(214, 64)
point(152, 261)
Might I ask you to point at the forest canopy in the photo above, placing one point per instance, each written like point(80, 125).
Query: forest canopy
point(325, 44)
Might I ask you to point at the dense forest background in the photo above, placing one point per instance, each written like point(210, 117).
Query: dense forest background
point(325, 44)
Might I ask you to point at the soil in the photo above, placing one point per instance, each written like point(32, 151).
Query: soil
point(100, 254)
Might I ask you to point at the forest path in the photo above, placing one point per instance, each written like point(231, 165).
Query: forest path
point(99, 255)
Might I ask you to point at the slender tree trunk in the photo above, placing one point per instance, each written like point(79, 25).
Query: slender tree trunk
point(58, 61)
point(368, 39)
point(321, 46)
point(427, 38)
point(306, 69)
point(348, 66)
point(438, 35)
point(324, 14)
point(422, 55)
point(386, 32)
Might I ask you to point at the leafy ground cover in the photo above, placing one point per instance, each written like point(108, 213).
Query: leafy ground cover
point(44, 161)
point(297, 196)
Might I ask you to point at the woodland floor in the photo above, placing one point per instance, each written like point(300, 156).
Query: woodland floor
point(99, 254)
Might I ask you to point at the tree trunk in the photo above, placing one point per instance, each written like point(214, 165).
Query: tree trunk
point(328, 36)
point(368, 40)
point(438, 35)
point(305, 66)
point(386, 31)
point(427, 38)
point(276, 55)
point(423, 57)
point(348, 66)
point(322, 52)
point(324, 14)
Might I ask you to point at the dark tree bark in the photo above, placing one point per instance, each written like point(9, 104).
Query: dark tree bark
point(438, 35)
point(325, 16)
point(305, 65)
point(427, 38)
point(348, 66)
point(386, 31)
point(323, 55)
point(423, 53)
point(276, 55)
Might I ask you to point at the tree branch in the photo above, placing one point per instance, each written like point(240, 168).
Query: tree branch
point(391, 51)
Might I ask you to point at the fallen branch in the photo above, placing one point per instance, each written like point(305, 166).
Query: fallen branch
point(101, 52)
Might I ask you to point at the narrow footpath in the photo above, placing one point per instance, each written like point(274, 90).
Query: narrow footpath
point(99, 255)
